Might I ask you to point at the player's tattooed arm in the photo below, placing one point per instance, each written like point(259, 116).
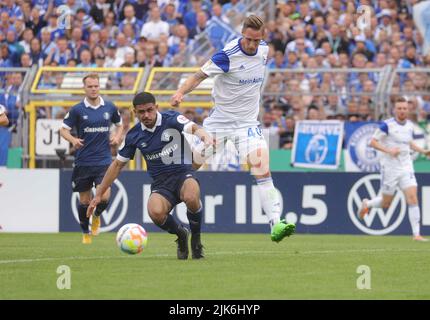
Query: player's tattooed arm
point(200, 76)
point(190, 84)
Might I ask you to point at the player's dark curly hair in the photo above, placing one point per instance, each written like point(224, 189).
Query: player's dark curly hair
point(143, 98)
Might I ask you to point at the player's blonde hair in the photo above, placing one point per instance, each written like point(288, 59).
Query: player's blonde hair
point(254, 22)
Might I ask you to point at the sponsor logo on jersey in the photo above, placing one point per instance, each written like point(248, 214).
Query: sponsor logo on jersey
point(96, 130)
point(165, 153)
point(251, 81)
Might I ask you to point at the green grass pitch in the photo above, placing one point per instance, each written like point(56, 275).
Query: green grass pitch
point(237, 266)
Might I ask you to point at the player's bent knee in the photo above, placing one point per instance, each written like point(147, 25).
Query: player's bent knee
point(191, 199)
point(412, 201)
point(157, 215)
point(386, 204)
point(261, 171)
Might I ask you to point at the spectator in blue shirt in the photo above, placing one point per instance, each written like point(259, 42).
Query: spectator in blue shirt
point(190, 18)
point(130, 18)
point(278, 61)
point(13, 10)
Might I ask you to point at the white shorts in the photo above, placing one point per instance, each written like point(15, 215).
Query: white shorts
point(391, 179)
point(245, 141)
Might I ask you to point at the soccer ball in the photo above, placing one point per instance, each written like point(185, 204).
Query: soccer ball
point(131, 238)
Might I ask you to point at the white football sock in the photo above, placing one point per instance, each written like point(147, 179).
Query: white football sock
point(375, 202)
point(269, 200)
point(414, 219)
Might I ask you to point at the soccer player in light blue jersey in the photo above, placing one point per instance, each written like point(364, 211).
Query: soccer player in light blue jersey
point(92, 119)
point(238, 72)
point(160, 139)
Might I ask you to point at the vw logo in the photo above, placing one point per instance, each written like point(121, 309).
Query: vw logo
point(377, 221)
point(317, 149)
point(116, 211)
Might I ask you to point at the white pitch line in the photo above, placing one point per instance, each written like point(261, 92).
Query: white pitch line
point(219, 253)
point(72, 258)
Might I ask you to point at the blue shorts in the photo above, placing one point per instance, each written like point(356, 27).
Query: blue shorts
point(169, 185)
point(84, 178)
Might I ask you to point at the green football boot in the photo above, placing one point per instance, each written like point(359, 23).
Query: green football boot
point(281, 230)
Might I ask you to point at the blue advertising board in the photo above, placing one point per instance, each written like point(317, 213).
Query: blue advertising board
point(317, 144)
point(359, 155)
point(316, 202)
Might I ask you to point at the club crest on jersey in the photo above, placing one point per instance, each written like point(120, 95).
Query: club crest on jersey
point(85, 117)
point(106, 115)
point(165, 137)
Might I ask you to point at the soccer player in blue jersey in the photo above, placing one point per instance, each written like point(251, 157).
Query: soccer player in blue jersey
point(159, 137)
point(238, 72)
point(92, 118)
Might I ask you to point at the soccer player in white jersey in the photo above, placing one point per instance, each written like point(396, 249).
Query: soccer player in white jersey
point(4, 121)
point(238, 72)
point(394, 139)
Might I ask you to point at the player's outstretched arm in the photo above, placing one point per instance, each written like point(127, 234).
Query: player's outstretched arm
point(111, 174)
point(419, 149)
point(206, 137)
point(189, 85)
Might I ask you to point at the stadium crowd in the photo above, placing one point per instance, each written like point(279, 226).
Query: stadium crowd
point(303, 34)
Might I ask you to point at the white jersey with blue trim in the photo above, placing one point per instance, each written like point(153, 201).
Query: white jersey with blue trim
point(238, 78)
point(393, 134)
